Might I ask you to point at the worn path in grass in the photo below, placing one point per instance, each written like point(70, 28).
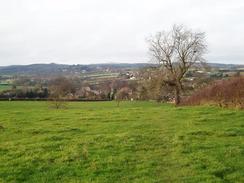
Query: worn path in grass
point(136, 142)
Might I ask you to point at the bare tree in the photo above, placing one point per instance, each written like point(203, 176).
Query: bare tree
point(59, 89)
point(176, 51)
point(152, 86)
point(123, 94)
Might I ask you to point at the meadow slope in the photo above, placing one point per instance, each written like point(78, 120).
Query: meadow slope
point(136, 142)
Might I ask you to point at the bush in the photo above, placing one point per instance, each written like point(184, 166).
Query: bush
point(224, 93)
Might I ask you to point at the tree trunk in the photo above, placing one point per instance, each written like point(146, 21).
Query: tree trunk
point(118, 102)
point(177, 95)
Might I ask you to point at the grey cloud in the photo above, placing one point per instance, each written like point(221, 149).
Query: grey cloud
point(95, 31)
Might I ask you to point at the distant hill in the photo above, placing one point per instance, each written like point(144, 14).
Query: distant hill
point(60, 69)
point(57, 69)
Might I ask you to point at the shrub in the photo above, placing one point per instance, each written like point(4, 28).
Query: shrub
point(224, 93)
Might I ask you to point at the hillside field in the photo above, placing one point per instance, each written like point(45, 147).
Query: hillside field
point(4, 87)
point(137, 142)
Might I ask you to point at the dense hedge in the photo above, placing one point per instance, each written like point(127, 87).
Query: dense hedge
point(225, 93)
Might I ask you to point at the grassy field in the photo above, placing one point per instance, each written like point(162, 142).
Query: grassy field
point(4, 87)
point(136, 142)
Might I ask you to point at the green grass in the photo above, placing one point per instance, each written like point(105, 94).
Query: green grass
point(136, 142)
point(5, 87)
point(100, 75)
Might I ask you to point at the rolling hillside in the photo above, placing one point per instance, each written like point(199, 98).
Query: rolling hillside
point(136, 142)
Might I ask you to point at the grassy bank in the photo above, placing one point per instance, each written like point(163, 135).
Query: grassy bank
point(136, 142)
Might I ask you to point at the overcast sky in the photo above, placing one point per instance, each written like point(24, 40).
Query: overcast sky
point(98, 31)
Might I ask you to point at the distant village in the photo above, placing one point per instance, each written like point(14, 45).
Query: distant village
point(99, 82)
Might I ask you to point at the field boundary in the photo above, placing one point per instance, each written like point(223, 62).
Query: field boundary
point(49, 99)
